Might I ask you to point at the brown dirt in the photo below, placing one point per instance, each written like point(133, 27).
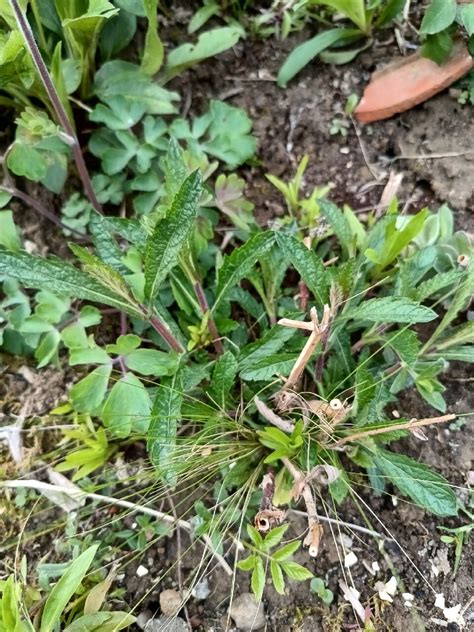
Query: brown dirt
point(289, 124)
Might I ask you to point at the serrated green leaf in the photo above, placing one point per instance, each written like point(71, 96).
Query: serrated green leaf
point(391, 309)
point(274, 537)
point(426, 488)
point(265, 368)
point(255, 536)
point(338, 223)
point(271, 342)
point(296, 571)
point(248, 564)
point(61, 278)
point(65, 589)
point(238, 264)
point(170, 235)
point(223, 378)
point(307, 263)
point(286, 551)
point(406, 345)
point(458, 302)
point(436, 283)
point(165, 416)
point(277, 577)
point(127, 408)
point(438, 16)
point(257, 581)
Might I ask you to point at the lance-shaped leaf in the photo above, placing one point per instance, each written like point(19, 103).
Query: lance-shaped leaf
point(223, 377)
point(170, 235)
point(309, 266)
point(103, 273)
point(65, 588)
point(154, 51)
point(426, 488)
point(391, 309)
point(165, 415)
point(62, 278)
point(237, 265)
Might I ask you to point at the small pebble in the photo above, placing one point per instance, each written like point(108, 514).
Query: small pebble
point(141, 571)
point(170, 602)
point(247, 613)
point(350, 560)
point(344, 150)
point(166, 623)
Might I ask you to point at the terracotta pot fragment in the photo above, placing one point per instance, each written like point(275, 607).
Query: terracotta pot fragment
point(405, 83)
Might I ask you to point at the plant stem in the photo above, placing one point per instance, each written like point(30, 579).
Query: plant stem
point(349, 525)
point(53, 95)
point(165, 333)
point(201, 297)
point(37, 206)
point(79, 494)
point(407, 425)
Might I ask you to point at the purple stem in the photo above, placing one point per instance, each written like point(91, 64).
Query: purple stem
point(165, 333)
point(48, 84)
point(37, 206)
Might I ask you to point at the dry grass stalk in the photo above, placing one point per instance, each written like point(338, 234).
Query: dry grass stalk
point(317, 330)
point(407, 425)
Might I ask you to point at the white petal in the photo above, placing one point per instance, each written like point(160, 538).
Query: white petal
point(440, 601)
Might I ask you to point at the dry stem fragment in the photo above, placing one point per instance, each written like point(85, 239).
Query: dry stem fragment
point(408, 425)
point(315, 532)
point(268, 516)
point(317, 330)
point(274, 419)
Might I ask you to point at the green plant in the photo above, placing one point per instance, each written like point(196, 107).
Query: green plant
point(281, 564)
point(440, 23)
point(460, 536)
point(285, 349)
point(31, 71)
point(366, 16)
point(318, 586)
point(305, 208)
point(17, 598)
point(223, 133)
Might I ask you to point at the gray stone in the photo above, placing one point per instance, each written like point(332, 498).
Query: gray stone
point(167, 624)
point(247, 613)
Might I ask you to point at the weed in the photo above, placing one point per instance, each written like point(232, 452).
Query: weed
point(359, 354)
